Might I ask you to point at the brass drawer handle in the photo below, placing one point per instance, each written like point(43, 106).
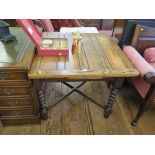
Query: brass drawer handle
point(17, 113)
point(3, 76)
point(13, 103)
point(8, 91)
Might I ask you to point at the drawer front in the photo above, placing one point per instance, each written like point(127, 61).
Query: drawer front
point(14, 90)
point(21, 121)
point(17, 112)
point(4, 76)
point(16, 102)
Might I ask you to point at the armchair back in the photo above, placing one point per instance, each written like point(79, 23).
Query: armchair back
point(129, 28)
point(142, 54)
point(143, 38)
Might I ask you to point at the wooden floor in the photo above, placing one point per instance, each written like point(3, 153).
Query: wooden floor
point(77, 115)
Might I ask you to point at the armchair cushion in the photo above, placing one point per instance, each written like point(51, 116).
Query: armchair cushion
point(149, 54)
point(138, 61)
point(141, 86)
point(152, 64)
point(106, 32)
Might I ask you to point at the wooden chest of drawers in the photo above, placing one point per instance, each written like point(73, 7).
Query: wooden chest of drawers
point(17, 75)
point(18, 99)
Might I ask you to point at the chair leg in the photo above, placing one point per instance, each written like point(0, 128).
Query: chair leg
point(140, 113)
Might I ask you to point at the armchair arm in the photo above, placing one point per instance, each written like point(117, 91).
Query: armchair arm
point(47, 25)
point(149, 77)
point(78, 23)
point(145, 69)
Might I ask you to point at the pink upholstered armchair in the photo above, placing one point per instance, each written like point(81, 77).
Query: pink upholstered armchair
point(50, 25)
point(144, 60)
point(58, 23)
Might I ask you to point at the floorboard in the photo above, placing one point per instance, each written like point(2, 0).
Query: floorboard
point(77, 116)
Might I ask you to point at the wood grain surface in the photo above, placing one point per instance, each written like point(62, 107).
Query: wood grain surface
point(98, 57)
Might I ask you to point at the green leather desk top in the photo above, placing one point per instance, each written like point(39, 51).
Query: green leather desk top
point(16, 53)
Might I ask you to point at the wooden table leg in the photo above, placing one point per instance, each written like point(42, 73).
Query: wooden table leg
point(115, 86)
point(43, 107)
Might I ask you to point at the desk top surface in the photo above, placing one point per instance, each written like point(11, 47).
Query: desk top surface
point(16, 54)
point(98, 57)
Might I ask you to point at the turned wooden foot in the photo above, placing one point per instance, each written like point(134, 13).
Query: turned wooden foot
point(143, 107)
point(138, 116)
point(43, 108)
point(107, 112)
point(134, 123)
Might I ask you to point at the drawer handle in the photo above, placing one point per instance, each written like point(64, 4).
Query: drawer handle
point(8, 91)
point(13, 103)
point(3, 76)
point(17, 113)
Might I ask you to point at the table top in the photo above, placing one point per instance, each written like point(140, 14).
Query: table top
point(98, 57)
point(17, 54)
